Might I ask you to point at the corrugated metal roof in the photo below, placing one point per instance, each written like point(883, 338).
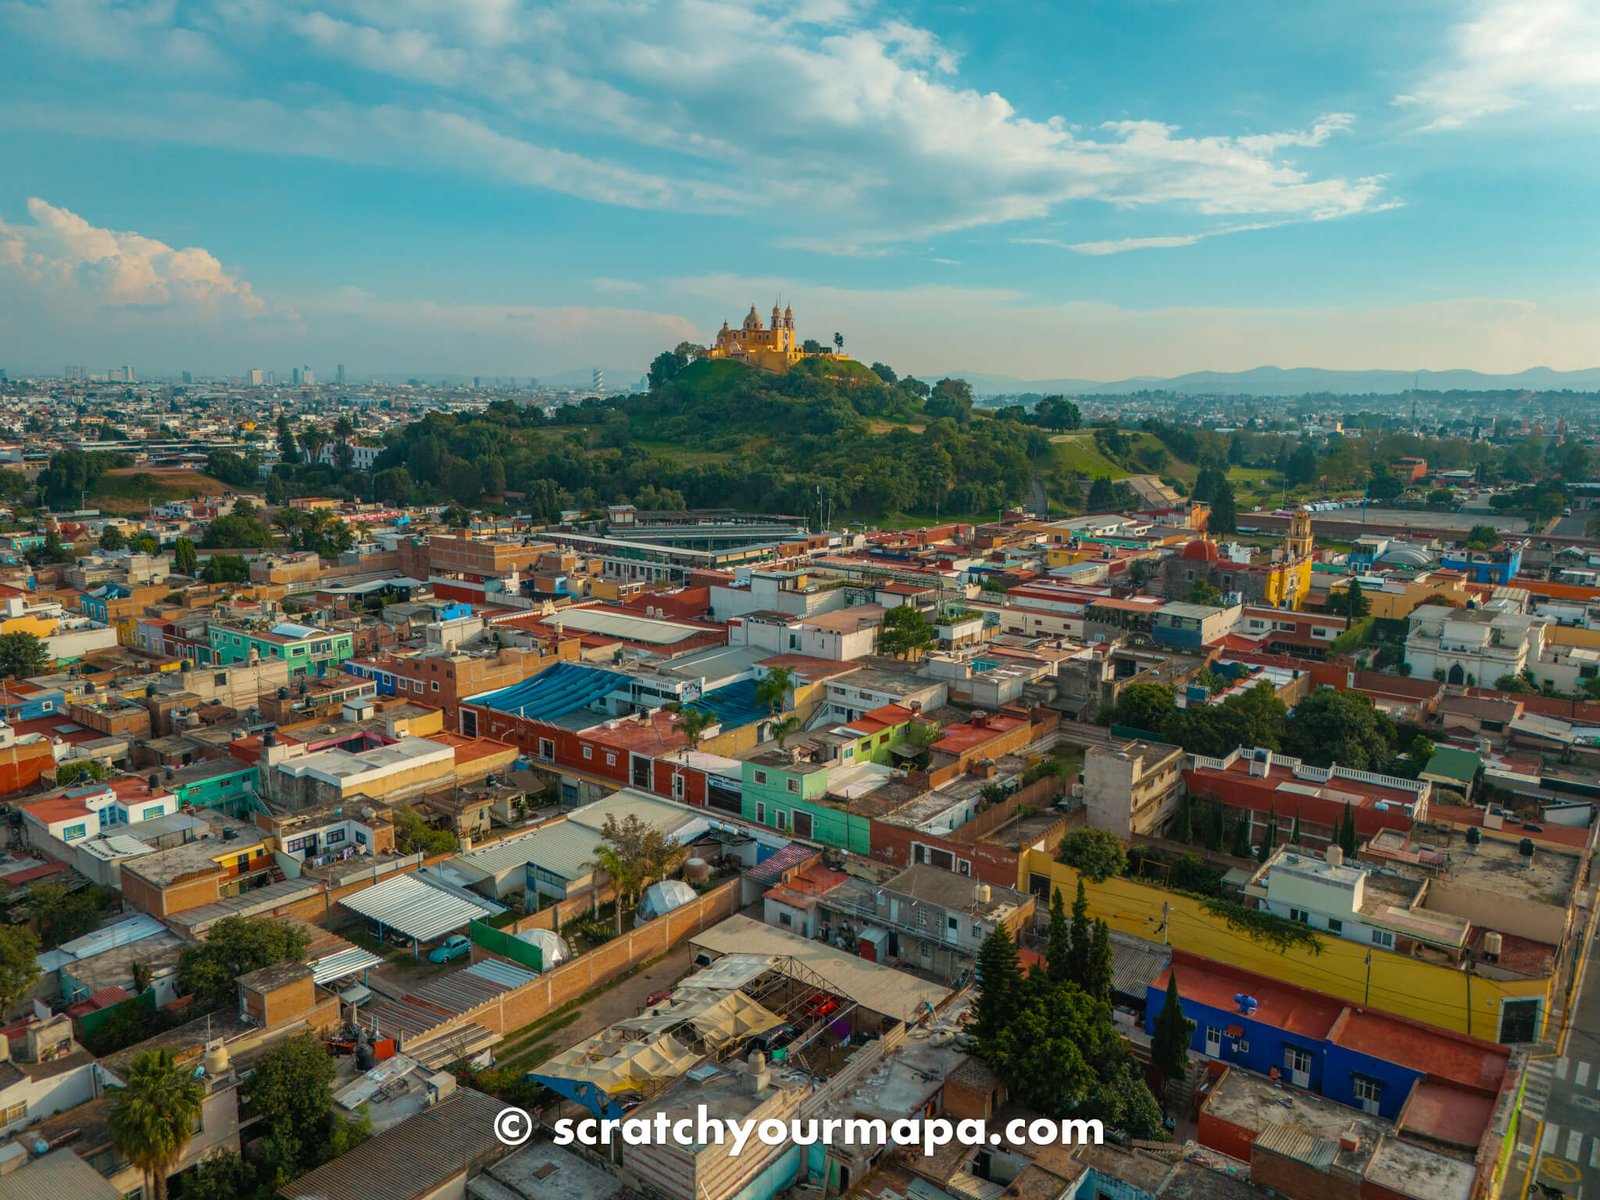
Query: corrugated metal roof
point(1295, 1141)
point(411, 1159)
point(505, 974)
point(419, 907)
point(59, 1175)
point(664, 815)
point(1135, 963)
point(343, 963)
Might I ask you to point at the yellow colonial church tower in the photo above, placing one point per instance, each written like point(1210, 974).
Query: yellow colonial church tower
point(772, 348)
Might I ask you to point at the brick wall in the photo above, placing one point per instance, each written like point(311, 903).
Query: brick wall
point(573, 980)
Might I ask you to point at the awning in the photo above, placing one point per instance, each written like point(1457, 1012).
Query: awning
point(420, 907)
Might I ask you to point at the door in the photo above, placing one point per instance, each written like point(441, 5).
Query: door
point(1519, 1021)
point(1213, 1042)
point(641, 771)
point(802, 823)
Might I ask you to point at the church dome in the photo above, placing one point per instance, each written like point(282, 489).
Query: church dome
point(1201, 550)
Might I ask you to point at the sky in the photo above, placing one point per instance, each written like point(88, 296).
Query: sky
point(1085, 189)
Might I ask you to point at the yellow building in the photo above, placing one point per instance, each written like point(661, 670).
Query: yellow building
point(772, 348)
point(1433, 993)
point(1397, 597)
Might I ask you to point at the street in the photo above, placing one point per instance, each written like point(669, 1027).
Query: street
point(1564, 1090)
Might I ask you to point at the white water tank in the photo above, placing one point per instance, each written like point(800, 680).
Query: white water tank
point(1336, 856)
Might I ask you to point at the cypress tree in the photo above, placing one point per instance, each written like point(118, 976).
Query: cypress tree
point(1058, 941)
point(1082, 940)
point(1100, 976)
point(1169, 1042)
point(1000, 989)
point(1294, 830)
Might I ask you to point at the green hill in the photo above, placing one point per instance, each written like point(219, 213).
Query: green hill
point(721, 434)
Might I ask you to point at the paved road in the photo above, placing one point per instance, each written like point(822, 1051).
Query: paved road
point(1564, 1091)
point(1574, 526)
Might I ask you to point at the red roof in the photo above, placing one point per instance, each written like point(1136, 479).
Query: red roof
point(1201, 550)
point(1281, 1005)
point(1554, 835)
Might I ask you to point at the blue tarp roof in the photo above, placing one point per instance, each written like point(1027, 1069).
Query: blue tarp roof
point(733, 706)
point(562, 689)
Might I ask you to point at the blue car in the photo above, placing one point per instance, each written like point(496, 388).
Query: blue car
point(455, 946)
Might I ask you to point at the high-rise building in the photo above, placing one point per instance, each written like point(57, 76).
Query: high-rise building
point(255, 377)
point(187, 377)
point(307, 376)
point(599, 380)
point(477, 383)
point(76, 374)
point(294, 377)
point(338, 374)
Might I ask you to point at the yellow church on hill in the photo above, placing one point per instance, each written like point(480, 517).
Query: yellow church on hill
point(772, 348)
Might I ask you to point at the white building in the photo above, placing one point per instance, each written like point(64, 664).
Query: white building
point(1472, 645)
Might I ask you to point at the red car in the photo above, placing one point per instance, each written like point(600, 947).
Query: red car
point(821, 1005)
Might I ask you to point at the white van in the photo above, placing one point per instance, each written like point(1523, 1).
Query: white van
point(355, 995)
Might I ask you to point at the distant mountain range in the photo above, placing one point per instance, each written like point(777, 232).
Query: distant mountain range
point(1278, 381)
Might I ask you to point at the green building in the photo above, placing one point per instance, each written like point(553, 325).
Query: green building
point(309, 651)
point(224, 784)
point(791, 796)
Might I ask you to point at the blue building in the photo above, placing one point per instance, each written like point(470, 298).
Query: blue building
point(1370, 1060)
point(1498, 565)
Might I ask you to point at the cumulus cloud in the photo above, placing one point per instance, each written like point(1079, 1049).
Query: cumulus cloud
point(67, 262)
point(1514, 54)
point(849, 131)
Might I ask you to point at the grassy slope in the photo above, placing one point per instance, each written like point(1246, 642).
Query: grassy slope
point(133, 489)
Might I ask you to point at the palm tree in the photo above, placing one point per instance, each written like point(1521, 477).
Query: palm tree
point(154, 1115)
point(785, 729)
point(694, 722)
point(773, 690)
point(627, 876)
point(313, 440)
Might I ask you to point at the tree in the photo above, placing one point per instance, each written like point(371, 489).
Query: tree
point(1096, 854)
point(291, 1091)
point(1203, 591)
point(1082, 942)
point(1331, 726)
point(1098, 978)
point(1169, 1043)
point(904, 632)
point(392, 485)
point(112, 538)
point(694, 722)
point(884, 372)
point(1146, 706)
point(1057, 412)
point(785, 728)
point(414, 835)
point(1516, 683)
point(226, 568)
point(236, 946)
point(69, 773)
point(1224, 516)
point(314, 441)
point(1102, 496)
point(1352, 602)
point(1269, 839)
point(22, 655)
point(1347, 836)
point(1058, 939)
point(19, 965)
point(235, 532)
point(1483, 537)
point(1383, 486)
point(154, 1115)
point(1000, 989)
point(773, 690)
point(665, 367)
point(288, 451)
point(220, 1175)
point(635, 854)
point(61, 914)
point(1294, 829)
point(838, 342)
point(184, 559)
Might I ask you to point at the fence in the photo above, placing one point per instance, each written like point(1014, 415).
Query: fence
point(506, 945)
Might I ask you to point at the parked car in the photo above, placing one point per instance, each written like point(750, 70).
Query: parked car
point(821, 1005)
point(772, 1039)
point(457, 945)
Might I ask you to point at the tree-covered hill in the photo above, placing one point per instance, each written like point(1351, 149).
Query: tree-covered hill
point(720, 434)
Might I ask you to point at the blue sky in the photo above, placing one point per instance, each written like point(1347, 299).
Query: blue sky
point(1093, 189)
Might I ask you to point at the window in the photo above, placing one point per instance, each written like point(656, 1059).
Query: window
point(1335, 925)
point(469, 723)
point(611, 759)
point(1297, 1059)
point(333, 837)
point(222, 679)
point(761, 776)
point(794, 786)
point(761, 813)
point(1366, 1092)
point(1382, 937)
point(73, 832)
point(152, 812)
point(547, 749)
point(434, 684)
point(588, 752)
point(13, 1113)
point(1300, 915)
point(782, 818)
point(784, 919)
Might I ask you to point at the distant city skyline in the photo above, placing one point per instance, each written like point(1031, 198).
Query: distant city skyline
point(1035, 191)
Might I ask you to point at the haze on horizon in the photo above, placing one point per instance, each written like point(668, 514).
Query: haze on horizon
point(1037, 191)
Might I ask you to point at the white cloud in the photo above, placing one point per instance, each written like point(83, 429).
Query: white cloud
point(65, 262)
point(617, 286)
point(1513, 54)
point(844, 131)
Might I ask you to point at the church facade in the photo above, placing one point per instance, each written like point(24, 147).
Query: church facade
point(770, 347)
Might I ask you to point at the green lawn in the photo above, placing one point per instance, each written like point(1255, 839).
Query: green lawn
point(1078, 453)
